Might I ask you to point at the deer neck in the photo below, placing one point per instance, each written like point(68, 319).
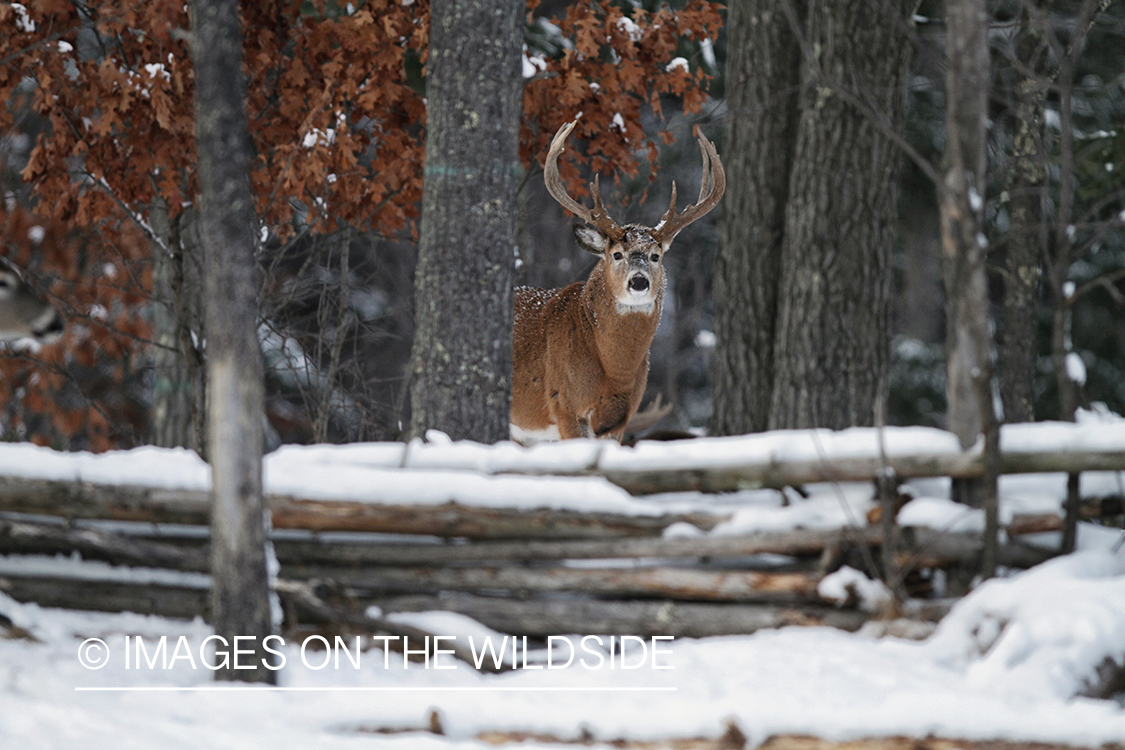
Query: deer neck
point(622, 336)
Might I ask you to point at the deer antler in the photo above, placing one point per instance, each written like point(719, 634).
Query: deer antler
point(597, 216)
point(653, 413)
point(712, 184)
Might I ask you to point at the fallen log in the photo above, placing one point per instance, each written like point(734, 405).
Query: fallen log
point(80, 500)
point(921, 547)
point(931, 548)
point(302, 598)
point(531, 617)
point(167, 600)
point(540, 618)
point(799, 542)
point(189, 554)
point(32, 538)
point(678, 584)
point(799, 457)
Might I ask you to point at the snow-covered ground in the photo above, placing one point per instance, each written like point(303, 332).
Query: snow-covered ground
point(1011, 660)
point(1007, 662)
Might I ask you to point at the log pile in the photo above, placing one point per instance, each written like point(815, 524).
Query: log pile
point(532, 571)
point(701, 586)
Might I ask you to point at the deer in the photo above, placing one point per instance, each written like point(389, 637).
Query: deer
point(580, 354)
point(23, 314)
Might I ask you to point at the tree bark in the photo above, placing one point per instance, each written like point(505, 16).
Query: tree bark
point(1063, 251)
point(179, 385)
point(832, 338)
point(1027, 244)
point(969, 365)
point(762, 74)
point(463, 285)
point(240, 588)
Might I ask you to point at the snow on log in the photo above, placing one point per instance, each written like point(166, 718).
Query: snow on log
point(78, 499)
point(464, 472)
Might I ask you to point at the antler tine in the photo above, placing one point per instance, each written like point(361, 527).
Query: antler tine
point(599, 217)
point(713, 184)
point(671, 212)
point(705, 180)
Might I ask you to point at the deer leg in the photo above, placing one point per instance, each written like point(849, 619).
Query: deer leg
point(584, 425)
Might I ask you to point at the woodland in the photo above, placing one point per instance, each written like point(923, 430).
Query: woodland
point(279, 228)
point(813, 297)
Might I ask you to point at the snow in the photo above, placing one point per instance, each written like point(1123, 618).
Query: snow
point(847, 582)
point(942, 514)
point(707, 47)
point(1043, 633)
point(677, 63)
point(1012, 660)
point(532, 64)
point(23, 19)
point(1009, 661)
point(631, 29)
point(975, 201)
point(506, 475)
point(1076, 368)
point(826, 507)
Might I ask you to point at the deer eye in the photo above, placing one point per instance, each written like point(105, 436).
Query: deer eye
point(655, 258)
point(618, 256)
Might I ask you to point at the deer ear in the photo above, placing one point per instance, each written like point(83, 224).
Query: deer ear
point(590, 239)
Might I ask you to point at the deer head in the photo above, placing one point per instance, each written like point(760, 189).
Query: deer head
point(632, 254)
point(23, 314)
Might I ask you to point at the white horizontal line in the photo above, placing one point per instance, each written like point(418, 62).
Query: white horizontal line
point(389, 689)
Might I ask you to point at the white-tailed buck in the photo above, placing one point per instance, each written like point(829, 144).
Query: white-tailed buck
point(23, 314)
point(580, 354)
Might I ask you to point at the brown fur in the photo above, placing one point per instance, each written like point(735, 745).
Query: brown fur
point(587, 377)
point(580, 354)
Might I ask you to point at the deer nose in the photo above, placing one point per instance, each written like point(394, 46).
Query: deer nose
point(638, 283)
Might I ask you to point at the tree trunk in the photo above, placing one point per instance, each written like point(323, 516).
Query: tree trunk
point(832, 338)
point(240, 589)
point(762, 74)
point(178, 402)
point(1026, 248)
point(1063, 251)
point(969, 367)
point(462, 356)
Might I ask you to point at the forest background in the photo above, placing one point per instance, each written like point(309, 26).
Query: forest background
point(822, 268)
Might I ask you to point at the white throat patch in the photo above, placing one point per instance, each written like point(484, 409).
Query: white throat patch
point(644, 305)
point(531, 437)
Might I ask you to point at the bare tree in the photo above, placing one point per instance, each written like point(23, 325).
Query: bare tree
point(969, 366)
point(1062, 245)
point(240, 579)
point(463, 284)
